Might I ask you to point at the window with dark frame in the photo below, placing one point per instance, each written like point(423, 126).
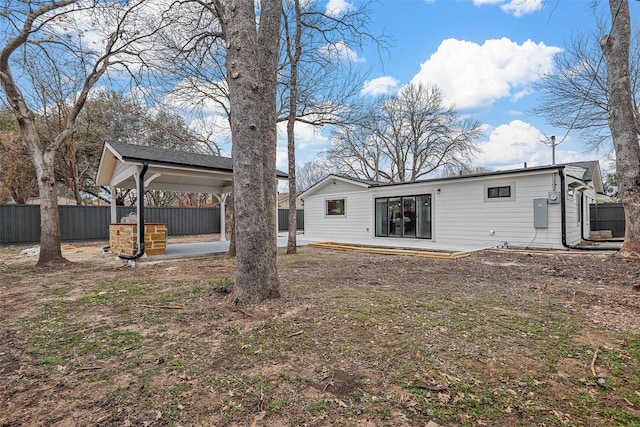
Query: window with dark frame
point(499, 192)
point(335, 207)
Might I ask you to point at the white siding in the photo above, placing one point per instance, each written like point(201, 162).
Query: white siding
point(462, 216)
point(578, 226)
point(590, 196)
point(352, 227)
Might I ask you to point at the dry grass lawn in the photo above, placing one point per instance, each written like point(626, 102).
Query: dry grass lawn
point(500, 338)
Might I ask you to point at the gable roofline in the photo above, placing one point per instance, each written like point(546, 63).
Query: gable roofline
point(592, 173)
point(164, 156)
point(332, 177)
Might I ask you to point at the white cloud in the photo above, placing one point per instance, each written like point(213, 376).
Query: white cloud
point(515, 7)
point(338, 7)
point(309, 143)
point(474, 76)
point(522, 7)
point(385, 85)
point(281, 158)
point(511, 144)
point(340, 51)
point(214, 128)
point(309, 138)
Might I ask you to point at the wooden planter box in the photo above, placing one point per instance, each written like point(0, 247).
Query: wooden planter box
point(123, 239)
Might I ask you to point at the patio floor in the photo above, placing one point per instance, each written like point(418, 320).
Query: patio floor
point(182, 250)
point(193, 249)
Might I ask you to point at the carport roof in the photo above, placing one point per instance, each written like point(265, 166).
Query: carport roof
point(170, 170)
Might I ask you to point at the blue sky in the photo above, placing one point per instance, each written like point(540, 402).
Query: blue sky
point(486, 56)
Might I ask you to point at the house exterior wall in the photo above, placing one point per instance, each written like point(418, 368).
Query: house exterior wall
point(571, 212)
point(578, 222)
point(462, 215)
point(353, 226)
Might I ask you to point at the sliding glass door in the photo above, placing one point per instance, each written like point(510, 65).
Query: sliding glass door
point(423, 216)
point(408, 216)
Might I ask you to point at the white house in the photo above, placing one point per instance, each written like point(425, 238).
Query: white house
point(536, 207)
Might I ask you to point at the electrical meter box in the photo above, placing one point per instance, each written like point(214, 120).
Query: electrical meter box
point(540, 213)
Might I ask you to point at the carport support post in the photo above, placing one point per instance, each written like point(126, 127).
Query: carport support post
point(114, 212)
point(222, 198)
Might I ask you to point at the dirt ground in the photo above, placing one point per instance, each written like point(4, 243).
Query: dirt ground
point(499, 338)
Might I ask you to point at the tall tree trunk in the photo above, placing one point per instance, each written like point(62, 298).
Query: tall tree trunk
point(50, 251)
point(294, 59)
point(268, 40)
point(251, 63)
point(622, 122)
point(230, 225)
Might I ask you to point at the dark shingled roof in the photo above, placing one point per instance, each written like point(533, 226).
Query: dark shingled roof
point(175, 157)
point(589, 166)
point(369, 182)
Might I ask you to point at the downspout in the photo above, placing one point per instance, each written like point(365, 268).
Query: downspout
point(140, 252)
point(563, 211)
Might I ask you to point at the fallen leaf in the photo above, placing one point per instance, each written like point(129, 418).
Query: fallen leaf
point(258, 417)
point(444, 397)
point(341, 403)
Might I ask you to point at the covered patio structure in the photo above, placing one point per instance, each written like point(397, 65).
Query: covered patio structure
point(140, 167)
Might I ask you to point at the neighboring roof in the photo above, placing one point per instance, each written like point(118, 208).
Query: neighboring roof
point(285, 196)
point(592, 172)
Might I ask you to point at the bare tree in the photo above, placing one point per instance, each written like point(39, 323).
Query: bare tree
point(622, 122)
point(312, 172)
point(293, 49)
point(314, 42)
point(45, 42)
point(575, 96)
point(463, 170)
point(252, 62)
point(356, 152)
point(405, 137)
point(17, 175)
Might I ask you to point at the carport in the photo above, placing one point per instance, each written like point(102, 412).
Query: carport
point(139, 167)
